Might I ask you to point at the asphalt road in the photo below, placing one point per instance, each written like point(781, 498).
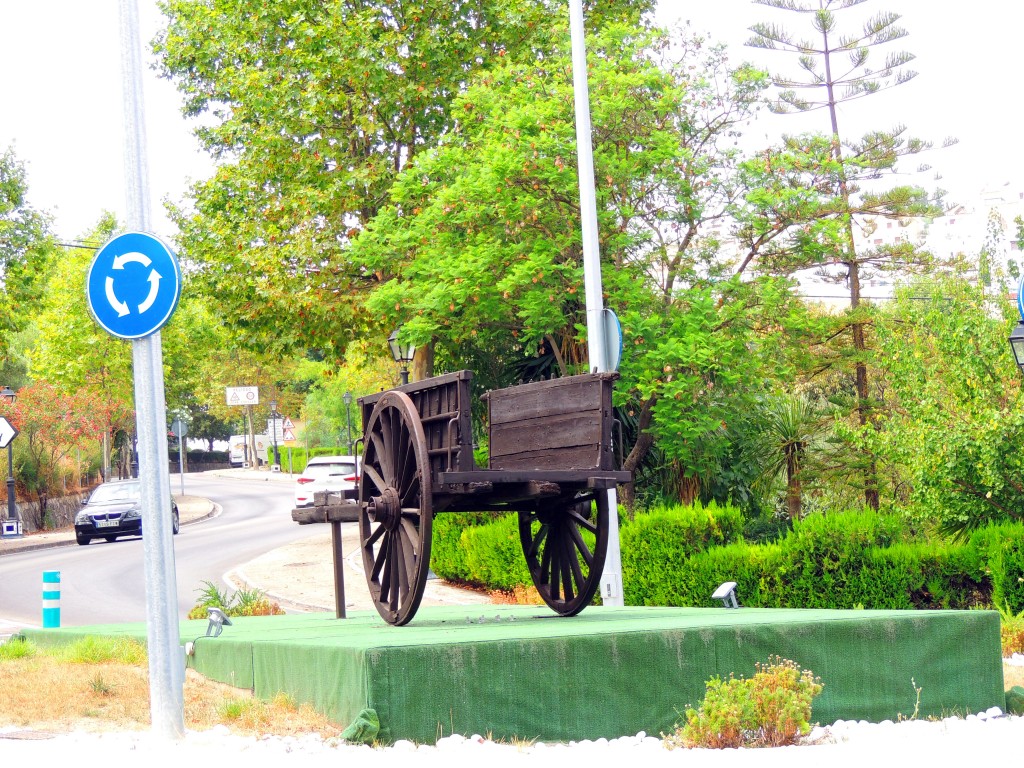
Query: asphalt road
point(105, 582)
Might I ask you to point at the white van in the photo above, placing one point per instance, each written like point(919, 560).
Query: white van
point(237, 450)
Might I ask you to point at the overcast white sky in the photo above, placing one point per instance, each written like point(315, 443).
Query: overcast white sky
point(61, 96)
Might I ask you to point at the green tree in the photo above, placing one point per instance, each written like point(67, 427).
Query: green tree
point(313, 108)
point(26, 251)
point(791, 430)
point(834, 69)
point(952, 439)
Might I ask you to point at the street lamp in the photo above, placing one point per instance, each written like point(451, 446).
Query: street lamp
point(12, 508)
point(347, 397)
point(273, 428)
point(402, 353)
point(1017, 344)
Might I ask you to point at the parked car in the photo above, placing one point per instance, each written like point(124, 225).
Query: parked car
point(115, 509)
point(326, 473)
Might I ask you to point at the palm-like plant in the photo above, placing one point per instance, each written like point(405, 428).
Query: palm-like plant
point(791, 425)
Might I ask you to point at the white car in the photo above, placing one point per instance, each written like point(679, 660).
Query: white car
point(326, 473)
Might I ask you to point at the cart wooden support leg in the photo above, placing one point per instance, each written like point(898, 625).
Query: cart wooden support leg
point(339, 570)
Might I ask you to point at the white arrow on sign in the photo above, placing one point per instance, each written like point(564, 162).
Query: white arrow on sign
point(7, 432)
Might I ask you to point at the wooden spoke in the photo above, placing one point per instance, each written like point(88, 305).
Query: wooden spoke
point(395, 508)
point(565, 545)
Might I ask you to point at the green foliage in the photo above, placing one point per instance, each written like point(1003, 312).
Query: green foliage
point(494, 554)
point(957, 398)
point(18, 647)
point(661, 541)
point(313, 109)
point(244, 602)
point(448, 550)
point(1002, 549)
point(824, 556)
point(771, 709)
point(27, 251)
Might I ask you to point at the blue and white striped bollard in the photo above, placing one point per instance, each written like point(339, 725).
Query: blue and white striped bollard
point(51, 599)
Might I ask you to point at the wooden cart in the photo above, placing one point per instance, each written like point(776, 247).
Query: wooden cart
point(551, 462)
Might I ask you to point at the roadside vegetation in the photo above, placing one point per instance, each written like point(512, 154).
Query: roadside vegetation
point(244, 602)
point(102, 684)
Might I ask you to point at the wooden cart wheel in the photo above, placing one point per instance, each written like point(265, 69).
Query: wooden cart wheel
point(395, 508)
point(566, 564)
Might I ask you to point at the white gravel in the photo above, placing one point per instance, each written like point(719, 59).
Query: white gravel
point(953, 741)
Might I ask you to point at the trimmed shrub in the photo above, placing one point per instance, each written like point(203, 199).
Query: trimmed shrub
point(657, 544)
point(494, 555)
point(824, 556)
point(448, 548)
point(1002, 549)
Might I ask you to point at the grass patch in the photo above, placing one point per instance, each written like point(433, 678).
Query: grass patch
point(102, 684)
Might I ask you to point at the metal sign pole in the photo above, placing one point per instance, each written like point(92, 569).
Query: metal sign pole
point(611, 580)
point(166, 659)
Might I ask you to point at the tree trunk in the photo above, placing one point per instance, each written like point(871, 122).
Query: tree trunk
point(794, 490)
point(644, 441)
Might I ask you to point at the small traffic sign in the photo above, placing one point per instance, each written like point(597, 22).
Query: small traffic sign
point(133, 285)
point(7, 432)
point(242, 395)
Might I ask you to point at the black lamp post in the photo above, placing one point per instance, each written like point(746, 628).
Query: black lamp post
point(347, 397)
point(273, 427)
point(1017, 344)
point(12, 508)
point(402, 353)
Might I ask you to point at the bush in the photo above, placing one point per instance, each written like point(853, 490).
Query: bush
point(494, 554)
point(656, 545)
point(1002, 550)
point(771, 709)
point(448, 548)
point(245, 602)
point(824, 556)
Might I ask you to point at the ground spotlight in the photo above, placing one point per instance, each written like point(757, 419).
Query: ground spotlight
point(727, 594)
point(218, 620)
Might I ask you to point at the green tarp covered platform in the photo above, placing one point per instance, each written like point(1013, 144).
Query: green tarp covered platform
point(522, 672)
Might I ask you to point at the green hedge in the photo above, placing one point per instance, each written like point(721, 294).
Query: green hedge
point(1002, 547)
point(659, 542)
point(448, 548)
point(851, 560)
point(679, 556)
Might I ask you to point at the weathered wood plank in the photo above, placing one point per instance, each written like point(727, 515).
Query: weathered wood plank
point(570, 430)
point(546, 398)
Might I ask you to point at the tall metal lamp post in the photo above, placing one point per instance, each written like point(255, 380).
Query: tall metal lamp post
point(347, 397)
point(273, 428)
point(402, 353)
point(12, 507)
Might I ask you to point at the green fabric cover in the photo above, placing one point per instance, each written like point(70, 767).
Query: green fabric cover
point(520, 671)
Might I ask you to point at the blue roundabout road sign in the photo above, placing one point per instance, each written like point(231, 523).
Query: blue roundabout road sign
point(133, 285)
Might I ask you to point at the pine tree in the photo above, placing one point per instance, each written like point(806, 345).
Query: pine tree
point(836, 68)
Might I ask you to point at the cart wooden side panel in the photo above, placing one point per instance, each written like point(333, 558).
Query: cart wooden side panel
point(444, 408)
point(560, 424)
